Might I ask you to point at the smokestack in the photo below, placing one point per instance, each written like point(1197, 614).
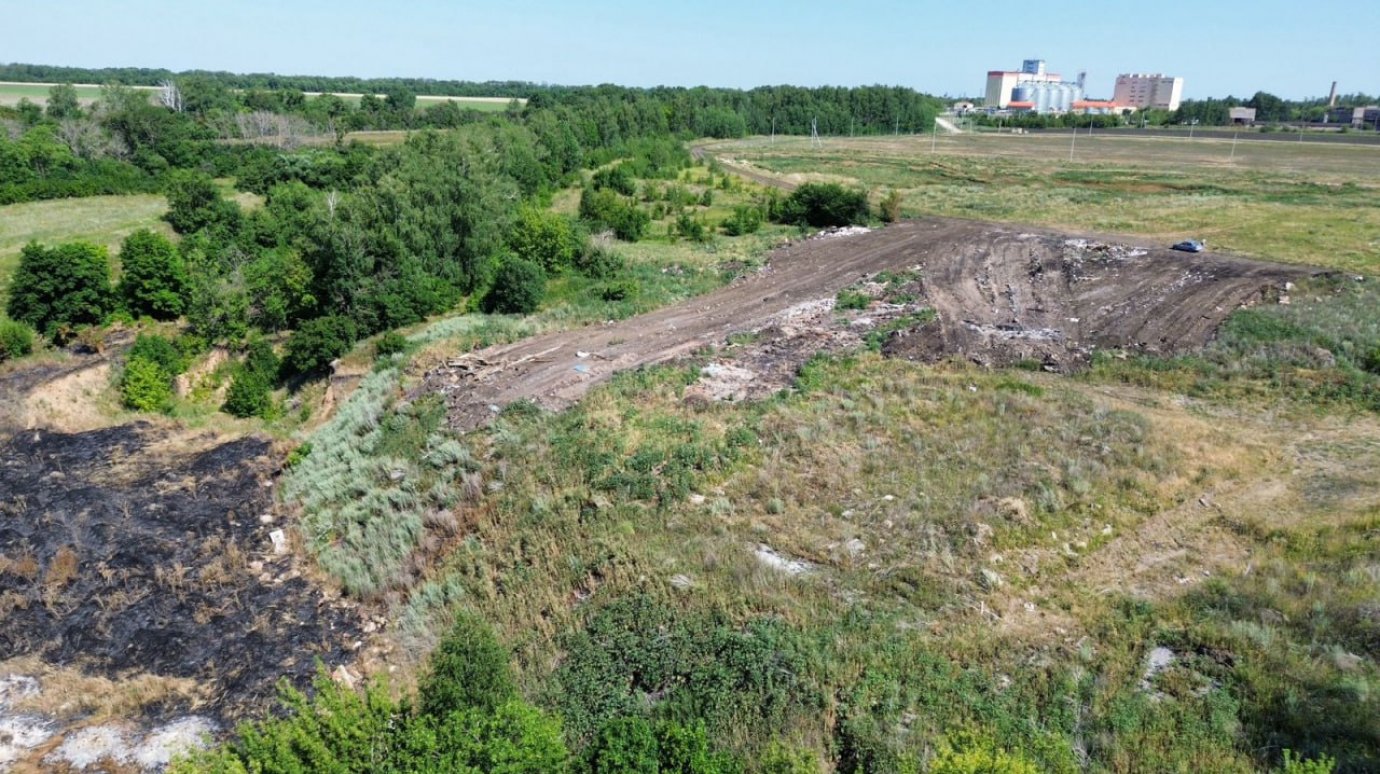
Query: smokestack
point(1332, 98)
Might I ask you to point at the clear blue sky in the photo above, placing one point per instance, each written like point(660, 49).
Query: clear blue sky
point(1220, 47)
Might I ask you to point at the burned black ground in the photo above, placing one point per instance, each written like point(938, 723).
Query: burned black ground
point(122, 557)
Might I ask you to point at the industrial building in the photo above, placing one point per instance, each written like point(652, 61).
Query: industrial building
point(1355, 117)
point(1031, 88)
point(1148, 90)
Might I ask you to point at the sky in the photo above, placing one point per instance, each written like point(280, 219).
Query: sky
point(1220, 47)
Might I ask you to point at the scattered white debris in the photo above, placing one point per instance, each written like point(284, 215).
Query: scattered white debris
point(92, 745)
point(168, 741)
point(279, 540)
point(722, 381)
point(777, 561)
point(581, 354)
point(854, 547)
point(682, 582)
point(696, 499)
point(1014, 332)
point(1159, 659)
point(16, 687)
point(19, 733)
point(991, 579)
point(845, 231)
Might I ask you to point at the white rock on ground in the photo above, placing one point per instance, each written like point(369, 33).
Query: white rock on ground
point(165, 742)
point(777, 561)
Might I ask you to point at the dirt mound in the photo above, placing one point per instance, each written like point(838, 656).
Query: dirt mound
point(126, 552)
point(999, 295)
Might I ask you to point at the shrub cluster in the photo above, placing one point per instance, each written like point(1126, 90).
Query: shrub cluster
point(604, 208)
point(251, 387)
point(67, 285)
point(146, 384)
point(315, 345)
point(16, 340)
point(823, 205)
point(518, 288)
point(467, 717)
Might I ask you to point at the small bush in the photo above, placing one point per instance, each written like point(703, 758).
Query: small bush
point(298, 454)
point(976, 754)
point(617, 178)
point(606, 208)
point(518, 288)
point(744, 220)
point(707, 198)
point(1300, 765)
point(16, 340)
point(260, 358)
point(468, 671)
point(620, 290)
point(891, 207)
point(390, 343)
point(544, 238)
point(144, 386)
point(160, 350)
point(780, 759)
point(250, 395)
point(317, 343)
point(600, 262)
point(824, 205)
point(690, 228)
point(852, 299)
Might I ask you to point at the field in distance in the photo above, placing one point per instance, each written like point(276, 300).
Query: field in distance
point(1297, 202)
point(11, 93)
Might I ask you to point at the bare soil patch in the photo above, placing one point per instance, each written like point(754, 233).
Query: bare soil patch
point(1001, 295)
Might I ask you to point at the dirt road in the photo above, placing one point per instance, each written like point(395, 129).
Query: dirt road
point(1001, 293)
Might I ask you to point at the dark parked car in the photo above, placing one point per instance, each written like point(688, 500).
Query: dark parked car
point(1189, 246)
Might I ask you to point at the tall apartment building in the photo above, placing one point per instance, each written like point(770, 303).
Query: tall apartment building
point(1146, 90)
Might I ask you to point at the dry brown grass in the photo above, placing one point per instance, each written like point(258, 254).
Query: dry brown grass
point(67, 692)
point(71, 403)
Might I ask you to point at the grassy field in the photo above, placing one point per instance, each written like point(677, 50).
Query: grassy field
point(1303, 203)
point(104, 220)
point(37, 93)
point(939, 555)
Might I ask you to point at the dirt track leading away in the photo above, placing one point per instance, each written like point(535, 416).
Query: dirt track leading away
point(1002, 294)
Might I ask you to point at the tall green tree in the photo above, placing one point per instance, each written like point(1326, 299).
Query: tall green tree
point(153, 279)
point(194, 203)
point(62, 102)
point(64, 285)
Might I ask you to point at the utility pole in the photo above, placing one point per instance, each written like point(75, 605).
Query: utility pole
point(1233, 147)
point(1073, 141)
